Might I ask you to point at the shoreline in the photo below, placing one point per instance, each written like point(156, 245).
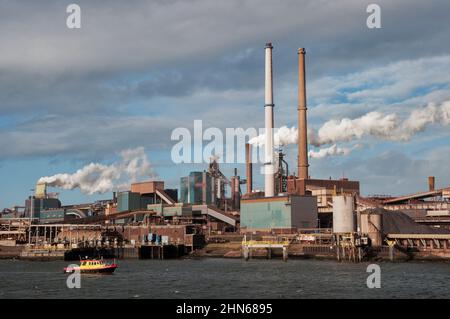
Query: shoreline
point(233, 250)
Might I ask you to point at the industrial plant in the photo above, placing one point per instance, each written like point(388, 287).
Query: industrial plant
point(211, 214)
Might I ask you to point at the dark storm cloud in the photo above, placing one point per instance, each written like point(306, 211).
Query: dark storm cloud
point(178, 47)
point(239, 70)
point(183, 60)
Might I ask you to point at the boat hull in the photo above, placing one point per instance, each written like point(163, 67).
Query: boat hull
point(103, 270)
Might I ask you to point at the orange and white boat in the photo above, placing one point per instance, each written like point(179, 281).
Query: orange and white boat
point(93, 266)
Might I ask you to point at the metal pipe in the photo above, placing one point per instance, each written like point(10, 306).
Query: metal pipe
point(302, 125)
point(269, 181)
point(249, 167)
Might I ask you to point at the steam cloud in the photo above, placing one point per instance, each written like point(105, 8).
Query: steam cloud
point(387, 127)
point(376, 124)
point(99, 178)
point(333, 150)
point(282, 136)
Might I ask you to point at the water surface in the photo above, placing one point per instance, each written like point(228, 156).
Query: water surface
point(227, 278)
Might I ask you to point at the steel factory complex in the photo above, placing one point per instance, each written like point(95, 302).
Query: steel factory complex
point(211, 214)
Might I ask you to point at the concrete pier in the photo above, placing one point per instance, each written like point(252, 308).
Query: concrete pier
point(249, 246)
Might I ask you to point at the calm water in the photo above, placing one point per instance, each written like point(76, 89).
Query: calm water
point(227, 278)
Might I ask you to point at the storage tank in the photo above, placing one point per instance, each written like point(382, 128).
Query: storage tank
point(372, 226)
point(343, 220)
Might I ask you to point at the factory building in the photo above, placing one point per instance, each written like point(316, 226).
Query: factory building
point(59, 215)
point(197, 188)
point(130, 201)
point(178, 209)
point(143, 194)
point(323, 190)
point(278, 213)
point(41, 201)
point(430, 207)
point(34, 206)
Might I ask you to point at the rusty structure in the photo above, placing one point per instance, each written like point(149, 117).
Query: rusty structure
point(236, 191)
point(302, 160)
point(431, 181)
point(430, 207)
point(249, 167)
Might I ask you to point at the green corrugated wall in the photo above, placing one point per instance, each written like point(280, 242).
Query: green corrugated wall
point(273, 214)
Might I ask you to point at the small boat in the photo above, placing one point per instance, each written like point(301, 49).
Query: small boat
point(93, 266)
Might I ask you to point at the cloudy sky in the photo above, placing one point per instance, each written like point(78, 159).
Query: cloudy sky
point(137, 70)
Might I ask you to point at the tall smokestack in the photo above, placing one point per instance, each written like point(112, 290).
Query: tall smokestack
point(431, 183)
point(249, 167)
point(268, 108)
point(302, 125)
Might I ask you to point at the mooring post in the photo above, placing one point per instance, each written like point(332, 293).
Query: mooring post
point(245, 252)
point(269, 253)
point(391, 252)
point(338, 249)
point(285, 254)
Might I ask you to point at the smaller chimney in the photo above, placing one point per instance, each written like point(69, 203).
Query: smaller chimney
point(431, 183)
point(235, 190)
point(249, 167)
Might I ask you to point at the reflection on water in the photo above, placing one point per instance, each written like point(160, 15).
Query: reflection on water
point(227, 278)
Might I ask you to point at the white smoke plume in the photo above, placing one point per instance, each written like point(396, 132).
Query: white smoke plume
point(100, 178)
point(387, 127)
point(421, 118)
point(333, 150)
point(346, 130)
point(376, 124)
point(281, 137)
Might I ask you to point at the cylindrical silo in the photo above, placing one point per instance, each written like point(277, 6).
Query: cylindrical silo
point(372, 226)
point(343, 220)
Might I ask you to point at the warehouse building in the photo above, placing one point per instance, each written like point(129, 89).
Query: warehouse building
point(288, 213)
point(143, 194)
